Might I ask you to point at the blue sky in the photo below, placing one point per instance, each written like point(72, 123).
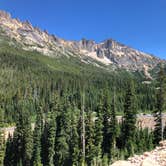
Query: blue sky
point(137, 23)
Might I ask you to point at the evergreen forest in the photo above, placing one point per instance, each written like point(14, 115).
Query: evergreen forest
point(65, 112)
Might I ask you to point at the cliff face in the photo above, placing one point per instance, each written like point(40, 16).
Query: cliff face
point(108, 52)
point(157, 157)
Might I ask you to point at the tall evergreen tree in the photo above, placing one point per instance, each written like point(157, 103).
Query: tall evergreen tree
point(106, 123)
point(61, 144)
point(49, 132)
point(99, 129)
point(129, 120)
point(113, 128)
point(160, 105)
point(90, 138)
point(49, 135)
point(28, 142)
point(22, 141)
point(164, 133)
point(2, 139)
point(74, 138)
point(8, 161)
point(36, 157)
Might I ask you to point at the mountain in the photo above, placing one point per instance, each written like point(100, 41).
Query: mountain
point(108, 54)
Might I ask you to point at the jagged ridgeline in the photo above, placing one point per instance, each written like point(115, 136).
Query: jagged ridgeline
point(35, 65)
point(108, 54)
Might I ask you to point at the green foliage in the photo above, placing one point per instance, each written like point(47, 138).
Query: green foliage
point(90, 138)
point(2, 141)
point(22, 140)
point(99, 130)
point(62, 148)
point(106, 123)
point(48, 90)
point(160, 106)
point(36, 76)
point(129, 120)
point(164, 134)
point(36, 156)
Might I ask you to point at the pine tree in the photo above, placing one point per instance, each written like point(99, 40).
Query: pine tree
point(28, 142)
point(164, 133)
point(106, 124)
point(113, 129)
point(90, 138)
point(49, 131)
point(2, 141)
point(8, 161)
point(160, 105)
point(61, 144)
point(99, 130)
point(150, 144)
point(50, 139)
point(83, 134)
point(140, 141)
point(36, 157)
point(74, 137)
point(129, 120)
point(22, 141)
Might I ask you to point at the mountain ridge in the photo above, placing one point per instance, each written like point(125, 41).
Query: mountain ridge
point(107, 53)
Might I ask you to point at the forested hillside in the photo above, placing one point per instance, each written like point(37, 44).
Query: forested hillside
point(74, 107)
point(35, 77)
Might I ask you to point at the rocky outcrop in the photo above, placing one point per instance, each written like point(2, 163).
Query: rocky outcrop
point(121, 163)
point(157, 157)
point(108, 52)
point(146, 120)
point(4, 15)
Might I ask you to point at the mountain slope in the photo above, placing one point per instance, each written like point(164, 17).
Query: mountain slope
point(108, 54)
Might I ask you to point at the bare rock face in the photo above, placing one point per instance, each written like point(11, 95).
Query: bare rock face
point(122, 163)
point(107, 52)
point(149, 162)
point(5, 15)
point(157, 157)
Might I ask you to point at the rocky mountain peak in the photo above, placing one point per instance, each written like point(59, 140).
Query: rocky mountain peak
point(108, 52)
point(4, 15)
point(110, 43)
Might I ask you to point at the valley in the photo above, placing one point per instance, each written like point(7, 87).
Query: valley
point(88, 100)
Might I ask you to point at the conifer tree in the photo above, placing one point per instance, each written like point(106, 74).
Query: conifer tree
point(99, 129)
point(83, 127)
point(138, 140)
point(49, 132)
point(74, 138)
point(106, 123)
point(129, 120)
point(28, 143)
point(90, 138)
point(2, 141)
point(22, 141)
point(36, 157)
point(61, 144)
point(8, 161)
point(150, 144)
point(113, 129)
point(164, 133)
point(50, 138)
point(160, 105)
